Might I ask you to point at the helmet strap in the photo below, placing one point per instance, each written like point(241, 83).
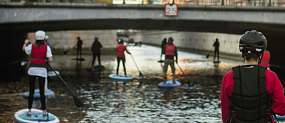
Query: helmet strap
point(259, 62)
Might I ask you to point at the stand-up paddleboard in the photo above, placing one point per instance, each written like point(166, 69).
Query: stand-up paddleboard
point(120, 77)
point(97, 68)
point(168, 86)
point(52, 73)
point(79, 59)
point(216, 61)
point(49, 94)
point(279, 118)
point(36, 117)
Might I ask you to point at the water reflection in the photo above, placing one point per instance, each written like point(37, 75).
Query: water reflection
point(137, 101)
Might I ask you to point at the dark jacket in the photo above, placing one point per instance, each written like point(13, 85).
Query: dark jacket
point(96, 47)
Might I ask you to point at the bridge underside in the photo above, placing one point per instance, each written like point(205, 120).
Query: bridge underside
point(147, 24)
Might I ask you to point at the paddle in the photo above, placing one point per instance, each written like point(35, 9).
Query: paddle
point(141, 75)
point(54, 44)
point(160, 61)
point(76, 100)
point(68, 50)
point(207, 56)
point(183, 74)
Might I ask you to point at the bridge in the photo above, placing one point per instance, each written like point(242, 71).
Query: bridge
point(29, 17)
point(16, 19)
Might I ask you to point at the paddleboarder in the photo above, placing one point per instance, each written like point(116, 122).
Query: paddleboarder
point(79, 46)
point(216, 45)
point(39, 52)
point(265, 59)
point(96, 46)
point(46, 40)
point(170, 51)
point(163, 43)
point(251, 93)
point(121, 48)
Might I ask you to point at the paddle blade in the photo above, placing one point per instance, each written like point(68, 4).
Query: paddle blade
point(77, 101)
point(160, 61)
point(141, 75)
point(208, 56)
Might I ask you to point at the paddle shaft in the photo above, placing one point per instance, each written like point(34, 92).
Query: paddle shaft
point(136, 64)
point(69, 49)
point(60, 79)
point(207, 56)
point(76, 100)
point(183, 74)
point(180, 69)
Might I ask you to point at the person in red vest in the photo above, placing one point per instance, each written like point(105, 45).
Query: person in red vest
point(121, 48)
point(96, 51)
point(265, 59)
point(46, 40)
point(39, 52)
point(251, 93)
point(170, 51)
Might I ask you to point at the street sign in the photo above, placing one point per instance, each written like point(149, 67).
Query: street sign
point(171, 9)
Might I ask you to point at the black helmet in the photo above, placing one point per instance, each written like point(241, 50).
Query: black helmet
point(252, 42)
point(170, 39)
point(120, 41)
point(96, 38)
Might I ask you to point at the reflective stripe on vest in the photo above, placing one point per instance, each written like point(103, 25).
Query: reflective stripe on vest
point(250, 100)
point(120, 50)
point(170, 50)
point(38, 56)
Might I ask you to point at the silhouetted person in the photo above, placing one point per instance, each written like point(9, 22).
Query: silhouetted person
point(121, 48)
point(79, 46)
point(216, 45)
point(170, 51)
point(96, 51)
point(163, 43)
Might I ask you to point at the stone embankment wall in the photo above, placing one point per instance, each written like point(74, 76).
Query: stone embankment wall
point(65, 40)
point(191, 40)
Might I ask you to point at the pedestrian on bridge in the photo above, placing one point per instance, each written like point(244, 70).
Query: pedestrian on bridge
point(96, 49)
point(121, 48)
point(79, 46)
point(216, 45)
point(39, 52)
point(250, 92)
point(170, 51)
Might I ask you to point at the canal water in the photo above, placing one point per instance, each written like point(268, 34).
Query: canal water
point(139, 101)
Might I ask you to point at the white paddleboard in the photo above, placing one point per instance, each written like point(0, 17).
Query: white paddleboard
point(36, 117)
point(120, 77)
point(52, 73)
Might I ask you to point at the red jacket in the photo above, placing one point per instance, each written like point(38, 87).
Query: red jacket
point(273, 86)
point(121, 50)
point(265, 59)
point(38, 55)
point(170, 50)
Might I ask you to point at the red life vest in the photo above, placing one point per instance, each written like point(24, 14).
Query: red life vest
point(121, 50)
point(265, 59)
point(170, 50)
point(38, 56)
